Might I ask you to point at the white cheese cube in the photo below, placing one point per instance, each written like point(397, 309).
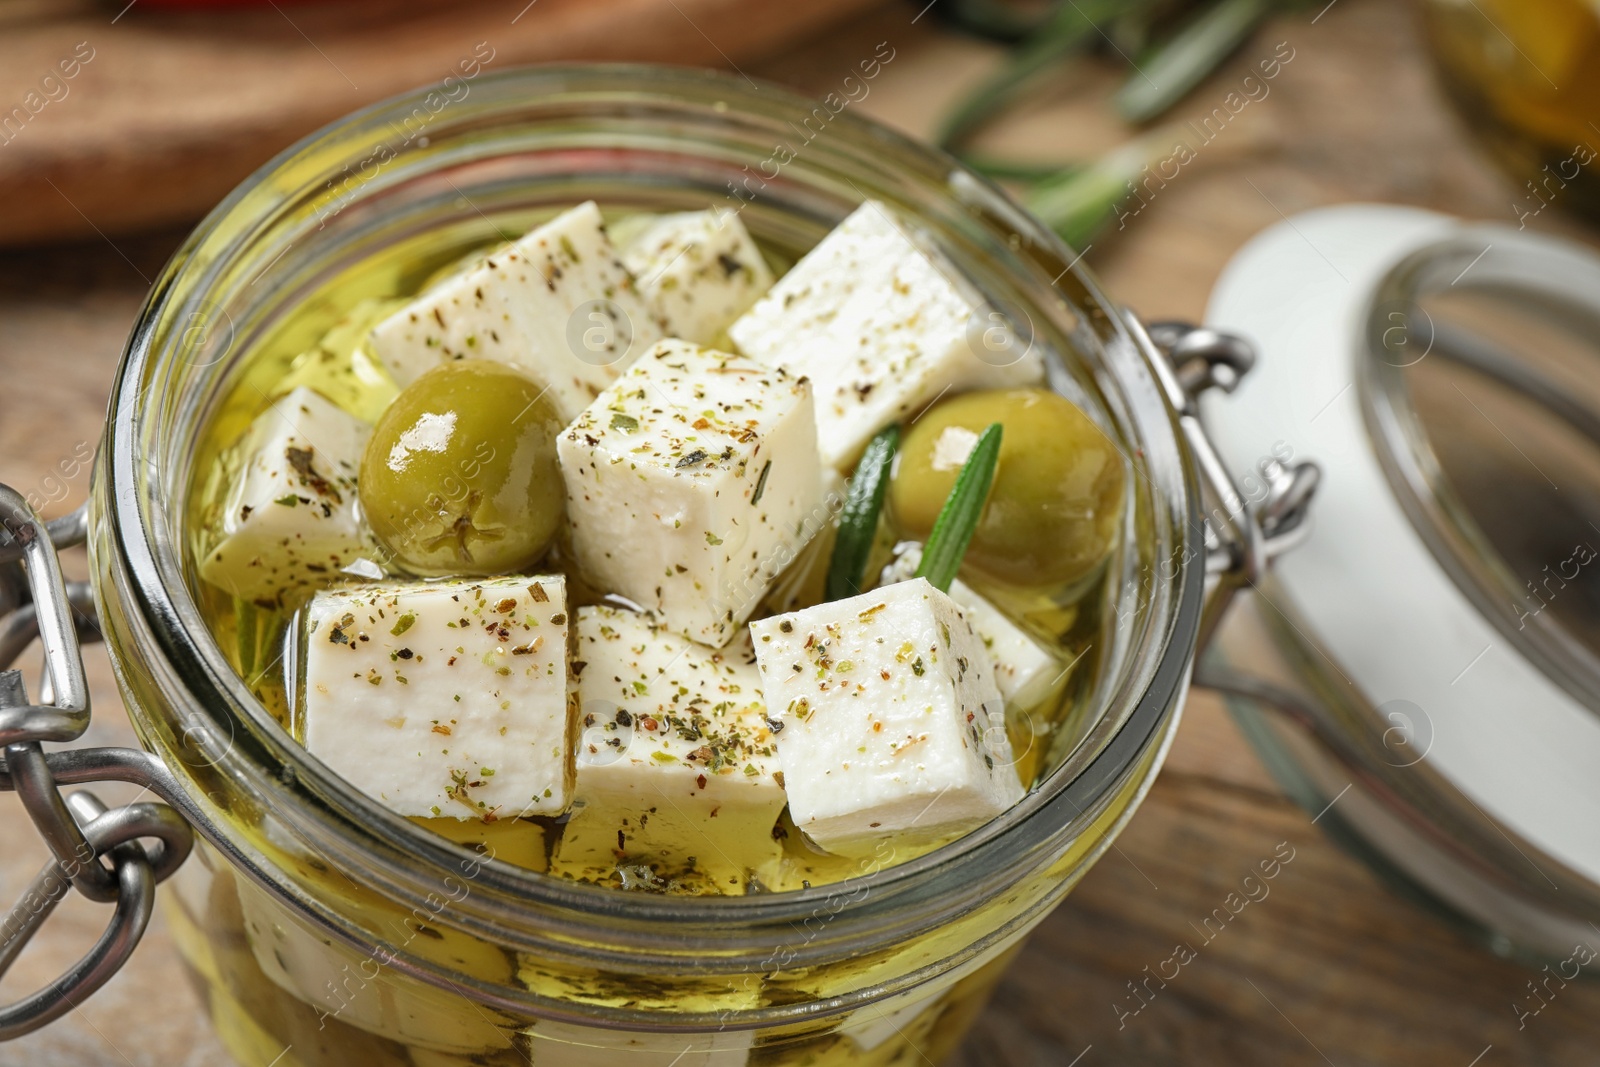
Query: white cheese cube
point(873, 1026)
point(893, 728)
point(677, 768)
point(444, 698)
point(557, 302)
point(288, 521)
point(698, 270)
point(557, 1044)
point(881, 326)
point(691, 483)
point(336, 981)
point(803, 578)
point(1024, 669)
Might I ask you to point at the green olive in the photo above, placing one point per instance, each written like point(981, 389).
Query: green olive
point(460, 474)
point(1056, 503)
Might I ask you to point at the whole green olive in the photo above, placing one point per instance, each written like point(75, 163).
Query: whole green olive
point(1056, 503)
point(460, 474)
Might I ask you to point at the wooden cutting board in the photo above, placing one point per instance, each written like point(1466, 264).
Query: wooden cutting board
point(166, 110)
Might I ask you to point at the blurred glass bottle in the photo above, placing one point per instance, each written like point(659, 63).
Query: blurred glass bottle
point(1526, 76)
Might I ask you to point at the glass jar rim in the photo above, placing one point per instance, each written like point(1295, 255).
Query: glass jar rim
point(149, 564)
point(1557, 274)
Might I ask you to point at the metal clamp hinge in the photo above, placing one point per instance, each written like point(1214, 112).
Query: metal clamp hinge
point(102, 853)
point(1242, 531)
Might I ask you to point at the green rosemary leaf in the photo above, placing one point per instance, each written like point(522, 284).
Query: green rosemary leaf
point(1073, 29)
point(958, 519)
point(858, 522)
point(246, 617)
point(1164, 75)
point(1077, 204)
point(1018, 170)
point(1131, 31)
point(995, 19)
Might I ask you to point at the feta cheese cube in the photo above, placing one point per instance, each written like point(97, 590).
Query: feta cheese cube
point(444, 698)
point(677, 768)
point(689, 485)
point(874, 1026)
point(881, 326)
point(550, 1043)
point(288, 521)
point(332, 978)
point(893, 728)
point(803, 580)
point(698, 270)
point(558, 303)
point(1024, 669)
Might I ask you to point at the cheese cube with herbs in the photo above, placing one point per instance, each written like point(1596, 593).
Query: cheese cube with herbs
point(321, 973)
point(677, 769)
point(288, 520)
point(690, 482)
point(444, 699)
point(803, 576)
point(699, 270)
point(552, 1043)
point(557, 303)
point(893, 727)
point(1024, 669)
point(881, 326)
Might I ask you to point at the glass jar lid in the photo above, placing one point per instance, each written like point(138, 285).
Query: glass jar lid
point(1446, 600)
point(1484, 409)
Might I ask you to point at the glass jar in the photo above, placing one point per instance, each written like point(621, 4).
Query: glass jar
point(321, 928)
point(1525, 75)
point(1423, 673)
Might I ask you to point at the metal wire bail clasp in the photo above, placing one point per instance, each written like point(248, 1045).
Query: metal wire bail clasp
point(97, 851)
point(1241, 536)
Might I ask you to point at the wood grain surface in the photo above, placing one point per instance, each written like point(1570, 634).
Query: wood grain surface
point(1329, 969)
point(165, 111)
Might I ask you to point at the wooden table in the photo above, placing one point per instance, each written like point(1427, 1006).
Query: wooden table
point(1330, 969)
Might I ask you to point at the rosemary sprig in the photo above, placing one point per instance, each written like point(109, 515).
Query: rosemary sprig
point(1079, 198)
point(1017, 170)
point(858, 521)
point(1072, 30)
point(995, 19)
point(958, 519)
point(1078, 203)
point(1165, 74)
